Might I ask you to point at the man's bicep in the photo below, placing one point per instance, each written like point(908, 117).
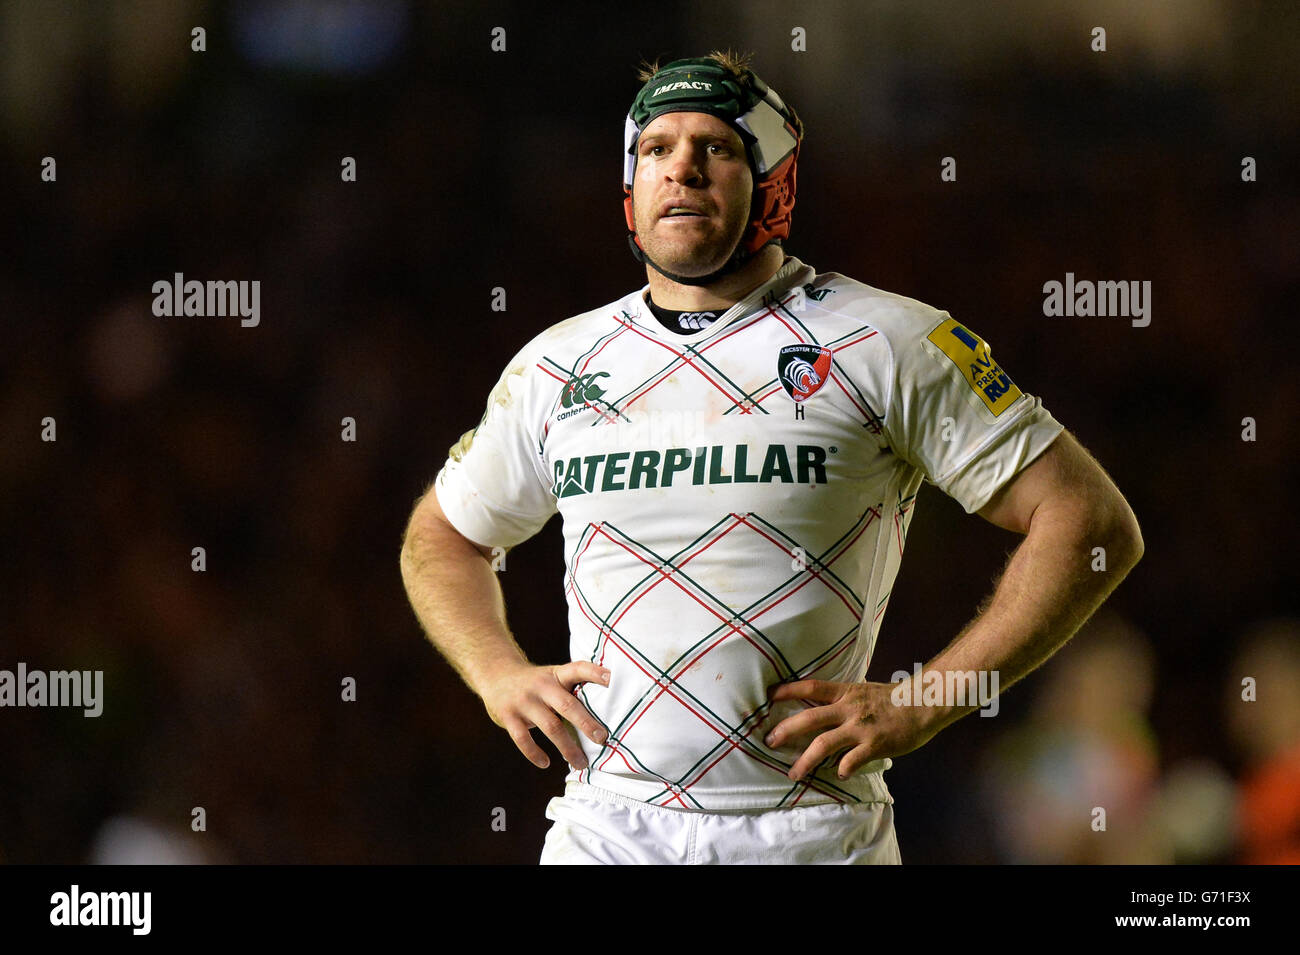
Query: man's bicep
point(429, 516)
point(1063, 475)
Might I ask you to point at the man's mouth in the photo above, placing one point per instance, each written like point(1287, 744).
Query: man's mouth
point(682, 212)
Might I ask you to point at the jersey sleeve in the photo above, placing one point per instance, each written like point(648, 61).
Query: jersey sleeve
point(493, 487)
point(955, 413)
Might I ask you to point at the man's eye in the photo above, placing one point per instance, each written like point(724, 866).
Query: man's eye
point(653, 150)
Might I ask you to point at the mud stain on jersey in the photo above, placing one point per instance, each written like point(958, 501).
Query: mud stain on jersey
point(501, 393)
point(458, 449)
point(500, 396)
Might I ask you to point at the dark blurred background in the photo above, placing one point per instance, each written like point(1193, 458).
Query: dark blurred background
point(479, 169)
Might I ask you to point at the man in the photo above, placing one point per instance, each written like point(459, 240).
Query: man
point(735, 450)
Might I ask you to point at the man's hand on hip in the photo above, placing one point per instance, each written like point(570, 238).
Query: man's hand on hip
point(528, 696)
point(858, 719)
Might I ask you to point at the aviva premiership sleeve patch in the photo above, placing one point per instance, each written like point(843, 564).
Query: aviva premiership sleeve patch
point(973, 359)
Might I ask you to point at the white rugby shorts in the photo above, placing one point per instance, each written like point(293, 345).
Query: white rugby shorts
point(594, 826)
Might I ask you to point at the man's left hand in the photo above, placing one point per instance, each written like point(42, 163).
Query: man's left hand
point(859, 718)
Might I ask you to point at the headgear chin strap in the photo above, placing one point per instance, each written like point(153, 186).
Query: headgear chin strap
point(770, 130)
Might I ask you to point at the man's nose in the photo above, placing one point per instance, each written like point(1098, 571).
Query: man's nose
point(686, 167)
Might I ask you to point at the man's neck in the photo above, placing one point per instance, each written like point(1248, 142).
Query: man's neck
point(723, 293)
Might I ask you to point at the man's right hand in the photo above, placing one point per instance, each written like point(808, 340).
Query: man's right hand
point(528, 696)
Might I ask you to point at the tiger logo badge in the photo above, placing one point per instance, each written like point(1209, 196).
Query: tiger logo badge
point(803, 369)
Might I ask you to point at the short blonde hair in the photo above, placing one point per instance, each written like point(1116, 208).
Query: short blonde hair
point(731, 61)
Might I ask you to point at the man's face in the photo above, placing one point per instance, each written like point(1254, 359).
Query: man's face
point(691, 197)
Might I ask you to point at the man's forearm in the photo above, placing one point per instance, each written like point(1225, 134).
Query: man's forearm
point(457, 599)
point(1047, 591)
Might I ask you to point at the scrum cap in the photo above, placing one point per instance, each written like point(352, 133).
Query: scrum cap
point(770, 130)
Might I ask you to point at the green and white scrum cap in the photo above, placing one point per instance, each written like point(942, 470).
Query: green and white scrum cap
point(704, 86)
point(769, 128)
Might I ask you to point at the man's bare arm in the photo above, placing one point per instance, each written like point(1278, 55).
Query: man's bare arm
point(1066, 506)
point(458, 601)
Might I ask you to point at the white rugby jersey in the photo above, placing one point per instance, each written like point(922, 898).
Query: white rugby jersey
point(735, 504)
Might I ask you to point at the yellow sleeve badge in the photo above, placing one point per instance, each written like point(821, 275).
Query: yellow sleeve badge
point(974, 360)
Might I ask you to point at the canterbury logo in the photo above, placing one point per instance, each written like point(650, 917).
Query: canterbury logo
point(582, 388)
point(695, 321)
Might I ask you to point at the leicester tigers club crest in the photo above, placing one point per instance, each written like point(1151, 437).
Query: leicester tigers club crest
point(803, 369)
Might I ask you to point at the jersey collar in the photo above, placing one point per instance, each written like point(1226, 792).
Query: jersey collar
point(791, 273)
